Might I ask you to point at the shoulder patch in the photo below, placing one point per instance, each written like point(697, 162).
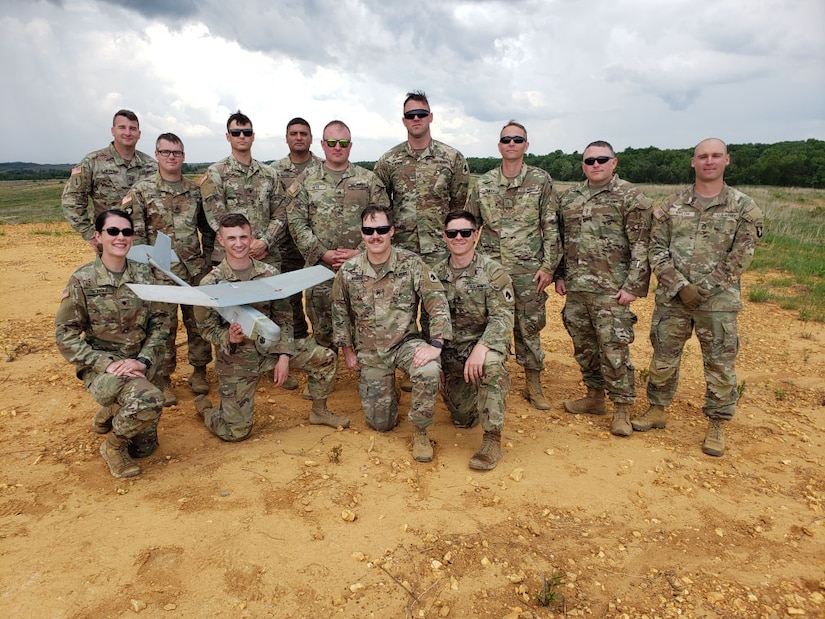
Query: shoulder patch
point(64, 294)
point(434, 277)
point(658, 213)
point(126, 199)
point(77, 170)
point(203, 178)
point(508, 295)
point(293, 188)
point(759, 231)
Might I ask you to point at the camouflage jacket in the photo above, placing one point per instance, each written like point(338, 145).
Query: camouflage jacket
point(709, 247)
point(215, 329)
point(175, 210)
point(520, 220)
point(423, 188)
point(231, 187)
point(287, 172)
point(481, 303)
point(376, 311)
point(100, 320)
point(105, 177)
point(325, 215)
point(605, 235)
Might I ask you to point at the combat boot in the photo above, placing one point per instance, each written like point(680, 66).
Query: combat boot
point(290, 384)
point(533, 392)
point(714, 444)
point(115, 452)
point(621, 424)
point(488, 455)
point(102, 421)
point(591, 404)
point(653, 417)
point(406, 384)
point(144, 443)
point(169, 397)
point(320, 415)
point(198, 382)
point(422, 449)
point(202, 404)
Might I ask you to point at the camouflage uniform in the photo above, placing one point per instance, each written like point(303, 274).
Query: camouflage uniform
point(291, 258)
point(481, 308)
point(423, 188)
point(175, 209)
point(100, 321)
point(711, 247)
point(521, 233)
point(605, 233)
point(228, 186)
point(324, 215)
point(240, 366)
point(373, 311)
point(105, 177)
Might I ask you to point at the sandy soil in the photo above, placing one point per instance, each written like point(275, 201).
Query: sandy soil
point(304, 521)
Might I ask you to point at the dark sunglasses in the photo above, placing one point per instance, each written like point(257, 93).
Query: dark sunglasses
point(237, 132)
point(506, 139)
point(416, 114)
point(115, 231)
point(369, 230)
point(602, 160)
point(343, 143)
point(465, 233)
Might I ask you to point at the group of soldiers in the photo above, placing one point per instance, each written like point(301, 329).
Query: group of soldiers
point(432, 279)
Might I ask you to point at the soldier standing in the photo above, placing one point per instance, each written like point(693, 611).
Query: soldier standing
point(374, 304)
point(476, 378)
point(116, 342)
point(517, 206)
point(105, 176)
point(170, 203)
point(605, 224)
point(701, 241)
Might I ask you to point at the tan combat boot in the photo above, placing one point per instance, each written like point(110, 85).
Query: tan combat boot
point(621, 423)
point(422, 449)
point(169, 397)
point(591, 404)
point(102, 421)
point(320, 415)
point(533, 392)
point(198, 382)
point(714, 444)
point(653, 417)
point(202, 404)
point(488, 455)
point(115, 452)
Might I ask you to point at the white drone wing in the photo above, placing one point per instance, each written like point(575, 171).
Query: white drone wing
point(158, 252)
point(227, 294)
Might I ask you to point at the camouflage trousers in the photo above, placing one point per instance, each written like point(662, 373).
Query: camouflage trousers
point(199, 351)
point(292, 260)
point(670, 328)
point(320, 364)
point(377, 387)
point(139, 401)
point(602, 331)
point(530, 318)
point(319, 309)
point(483, 401)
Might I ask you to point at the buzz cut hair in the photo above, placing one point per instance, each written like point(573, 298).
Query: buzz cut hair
point(601, 144)
point(722, 142)
point(169, 137)
point(336, 123)
point(239, 118)
point(126, 114)
point(417, 95)
point(514, 123)
point(298, 121)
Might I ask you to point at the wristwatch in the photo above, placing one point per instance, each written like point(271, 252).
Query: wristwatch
point(145, 362)
point(437, 344)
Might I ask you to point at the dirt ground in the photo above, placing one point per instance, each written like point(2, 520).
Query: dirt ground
point(306, 522)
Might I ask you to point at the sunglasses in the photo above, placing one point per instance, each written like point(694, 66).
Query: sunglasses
point(416, 114)
point(247, 133)
point(369, 230)
point(115, 231)
point(506, 139)
point(170, 153)
point(332, 143)
point(465, 233)
point(602, 160)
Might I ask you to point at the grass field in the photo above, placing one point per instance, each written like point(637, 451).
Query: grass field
point(791, 256)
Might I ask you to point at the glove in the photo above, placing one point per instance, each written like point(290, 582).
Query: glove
point(693, 296)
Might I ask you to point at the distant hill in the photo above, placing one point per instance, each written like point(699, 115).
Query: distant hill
point(25, 170)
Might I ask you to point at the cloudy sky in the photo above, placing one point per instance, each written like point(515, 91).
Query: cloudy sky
point(634, 72)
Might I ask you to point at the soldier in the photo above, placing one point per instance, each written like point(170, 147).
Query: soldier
point(105, 176)
point(238, 363)
point(116, 342)
point(701, 241)
point(374, 303)
point(325, 218)
point(240, 184)
point(517, 206)
point(480, 294)
point(300, 157)
point(170, 203)
point(605, 225)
